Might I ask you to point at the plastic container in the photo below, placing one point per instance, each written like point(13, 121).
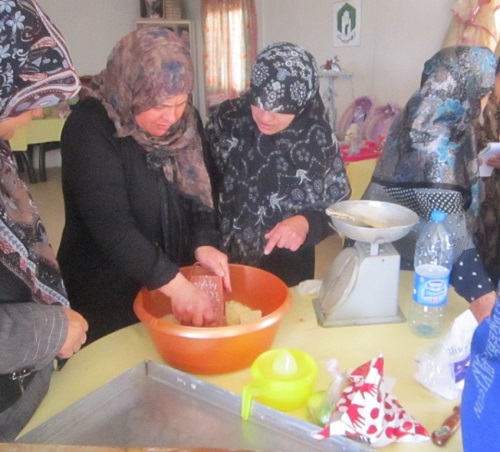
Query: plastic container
point(433, 263)
point(282, 379)
point(217, 350)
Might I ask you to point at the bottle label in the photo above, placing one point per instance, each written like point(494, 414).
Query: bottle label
point(430, 291)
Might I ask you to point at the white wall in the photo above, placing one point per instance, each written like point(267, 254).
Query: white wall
point(397, 36)
point(92, 27)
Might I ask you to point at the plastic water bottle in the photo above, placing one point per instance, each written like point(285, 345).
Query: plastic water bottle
point(433, 262)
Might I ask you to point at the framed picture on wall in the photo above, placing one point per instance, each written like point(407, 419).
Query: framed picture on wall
point(185, 30)
point(347, 20)
point(151, 9)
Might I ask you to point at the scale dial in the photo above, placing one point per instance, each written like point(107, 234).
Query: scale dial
point(339, 280)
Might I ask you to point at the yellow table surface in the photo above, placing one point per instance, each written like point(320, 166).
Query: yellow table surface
point(352, 346)
point(359, 175)
point(37, 131)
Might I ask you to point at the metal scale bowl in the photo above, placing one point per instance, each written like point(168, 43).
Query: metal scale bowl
point(362, 284)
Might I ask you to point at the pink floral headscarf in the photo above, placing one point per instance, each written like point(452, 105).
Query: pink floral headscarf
point(144, 69)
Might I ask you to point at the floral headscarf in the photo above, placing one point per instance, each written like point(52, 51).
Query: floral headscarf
point(144, 69)
point(284, 79)
point(434, 132)
point(268, 178)
point(35, 66)
point(35, 72)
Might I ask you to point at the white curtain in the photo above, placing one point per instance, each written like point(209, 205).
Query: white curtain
point(230, 36)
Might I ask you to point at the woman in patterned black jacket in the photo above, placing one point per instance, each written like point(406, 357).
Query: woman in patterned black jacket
point(277, 166)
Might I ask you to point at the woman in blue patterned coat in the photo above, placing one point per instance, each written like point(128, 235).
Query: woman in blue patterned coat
point(430, 162)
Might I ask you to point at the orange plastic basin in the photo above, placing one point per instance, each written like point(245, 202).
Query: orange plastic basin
point(214, 350)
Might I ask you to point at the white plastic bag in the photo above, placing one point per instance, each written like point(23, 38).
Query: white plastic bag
point(441, 366)
point(322, 403)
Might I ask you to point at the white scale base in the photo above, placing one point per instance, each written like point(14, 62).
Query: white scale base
point(361, 287)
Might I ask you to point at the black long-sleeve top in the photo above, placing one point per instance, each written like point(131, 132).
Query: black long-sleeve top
point(120, 233)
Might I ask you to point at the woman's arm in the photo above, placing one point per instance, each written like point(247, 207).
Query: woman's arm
point(31, 335)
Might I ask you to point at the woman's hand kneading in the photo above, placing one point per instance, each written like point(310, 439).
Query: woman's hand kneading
point(190, 305)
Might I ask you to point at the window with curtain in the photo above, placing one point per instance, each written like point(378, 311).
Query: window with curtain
point(230, 40)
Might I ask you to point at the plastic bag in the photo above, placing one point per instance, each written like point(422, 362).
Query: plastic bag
point(441, 366)
point(322, 403)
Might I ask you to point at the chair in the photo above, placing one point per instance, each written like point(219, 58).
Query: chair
point(24, 161)
point(40, 135)
point(42, 148)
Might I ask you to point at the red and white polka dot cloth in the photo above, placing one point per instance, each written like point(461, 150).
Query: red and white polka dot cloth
point(367, 412)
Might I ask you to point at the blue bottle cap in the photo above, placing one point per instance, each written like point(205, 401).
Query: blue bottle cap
point(438, 216)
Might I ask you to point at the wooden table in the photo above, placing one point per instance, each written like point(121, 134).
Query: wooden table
point(352, 346)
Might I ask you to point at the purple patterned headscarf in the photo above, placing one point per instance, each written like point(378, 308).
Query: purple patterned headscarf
point(144, 69)
point(35, 67)
point(35, 72)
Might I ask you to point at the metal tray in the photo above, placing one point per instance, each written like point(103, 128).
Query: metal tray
point(154, 405)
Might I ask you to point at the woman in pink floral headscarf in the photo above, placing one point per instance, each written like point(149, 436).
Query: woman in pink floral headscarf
point(136, 190)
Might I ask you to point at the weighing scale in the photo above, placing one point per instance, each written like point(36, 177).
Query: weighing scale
point(362, 284)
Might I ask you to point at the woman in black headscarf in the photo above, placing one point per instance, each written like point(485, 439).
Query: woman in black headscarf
point(277, 166)
point(36, 323)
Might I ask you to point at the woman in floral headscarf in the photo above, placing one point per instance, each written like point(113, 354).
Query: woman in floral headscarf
point(430, 161)
point(277, 166)
point(36, 323)
point(137, 195)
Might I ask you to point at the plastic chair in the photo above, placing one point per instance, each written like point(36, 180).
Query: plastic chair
point(24, 161)
point(42, 149)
